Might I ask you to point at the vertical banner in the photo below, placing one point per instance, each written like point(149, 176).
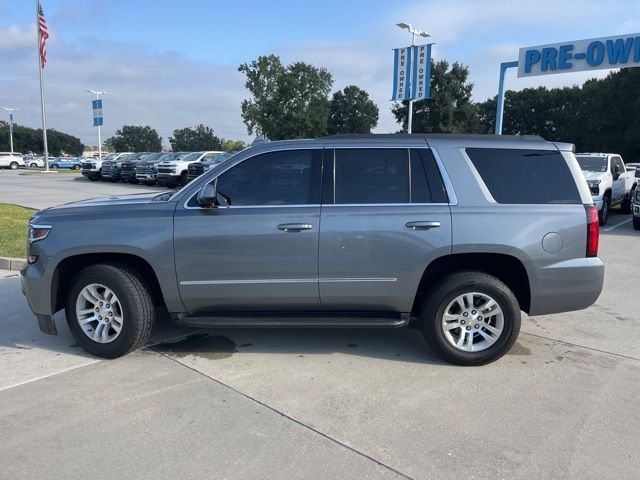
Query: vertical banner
point(97, 112)
point(401, 74)
point(421, 72)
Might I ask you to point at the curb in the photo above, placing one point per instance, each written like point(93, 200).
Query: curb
point(15, 264)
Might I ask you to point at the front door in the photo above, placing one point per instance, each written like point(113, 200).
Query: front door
point(385, 218)
point(258, 250)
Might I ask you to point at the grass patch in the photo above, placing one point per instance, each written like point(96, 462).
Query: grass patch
point(14, 222)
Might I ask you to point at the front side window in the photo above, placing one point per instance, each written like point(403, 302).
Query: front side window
point(288, 177)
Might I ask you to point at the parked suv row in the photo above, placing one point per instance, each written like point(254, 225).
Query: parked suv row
point(169, 169)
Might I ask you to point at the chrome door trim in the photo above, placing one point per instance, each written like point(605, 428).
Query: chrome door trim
point(285, 280)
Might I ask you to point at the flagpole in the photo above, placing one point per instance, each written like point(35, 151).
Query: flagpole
point(44, 117)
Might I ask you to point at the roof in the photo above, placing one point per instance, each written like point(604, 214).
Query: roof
point(427, 136)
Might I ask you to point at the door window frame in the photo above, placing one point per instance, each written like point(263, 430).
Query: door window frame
point(319, 179)
point(329, 177)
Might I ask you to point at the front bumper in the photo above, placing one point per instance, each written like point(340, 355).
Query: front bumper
point(36, 287)
point(566, 286)
point(597, 201)
point(146, 176)
point(90, 173)
point(168, 178)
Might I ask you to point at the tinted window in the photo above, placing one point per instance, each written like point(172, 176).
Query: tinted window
point(525, 176)
point(276, 178)
point(371, 176)
point(426, 182)
point(592, 164)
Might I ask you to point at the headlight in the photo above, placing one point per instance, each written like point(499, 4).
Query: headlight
point(593, 183)
point(38, 232)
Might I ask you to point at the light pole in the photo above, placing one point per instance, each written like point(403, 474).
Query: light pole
point(97, 94)
point(10, 110)
point(413, 31)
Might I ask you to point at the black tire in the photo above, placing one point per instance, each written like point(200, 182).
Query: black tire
point(636, 223)
point(627, 203)
point(603, 214)
point(137, 308)
point(184, 179)
point(445, 291)
point(53, 167)
point(133, 181)
point(33, 165)
point(13, 165)
point(76, 167)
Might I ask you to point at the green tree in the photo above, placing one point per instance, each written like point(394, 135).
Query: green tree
point(352, 111)
point(233, 146)
point(29, 140)
point(450, 109)
point(135, 138)
point(287, 102)
point(194, 139)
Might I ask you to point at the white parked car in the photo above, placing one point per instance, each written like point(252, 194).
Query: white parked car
point(609, 181)
point(11, 160)
point(176, 172)
point(34, 162)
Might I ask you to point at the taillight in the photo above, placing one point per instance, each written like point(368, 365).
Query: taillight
point(593, 231)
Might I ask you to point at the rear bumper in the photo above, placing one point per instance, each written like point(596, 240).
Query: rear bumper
point(566, 286)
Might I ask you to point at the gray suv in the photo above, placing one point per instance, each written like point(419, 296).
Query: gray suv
point(453, 234)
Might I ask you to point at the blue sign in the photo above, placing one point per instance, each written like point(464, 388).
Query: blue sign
point(97, 113)
point(411, 73)
point(620, 51)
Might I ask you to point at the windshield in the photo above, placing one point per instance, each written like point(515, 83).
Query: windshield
point(190, 157)
point(592, 164)
point(109, 157)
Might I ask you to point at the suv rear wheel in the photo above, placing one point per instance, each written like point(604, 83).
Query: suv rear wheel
point(109, 310)
point(13, 165)
point(470, 318)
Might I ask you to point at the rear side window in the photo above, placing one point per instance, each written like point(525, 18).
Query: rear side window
point(385, 176)
point(525, 176)
point(371, 176)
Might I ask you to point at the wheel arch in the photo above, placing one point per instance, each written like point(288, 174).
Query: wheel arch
point(507, 268)
point(67, 269)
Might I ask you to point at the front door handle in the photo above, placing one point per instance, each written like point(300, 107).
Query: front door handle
point(422, 225)
point(294, 227)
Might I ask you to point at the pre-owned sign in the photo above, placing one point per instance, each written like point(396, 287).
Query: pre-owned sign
point(619, 51)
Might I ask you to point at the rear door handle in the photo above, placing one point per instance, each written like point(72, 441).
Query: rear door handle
point(294, 227)
point(422, 225)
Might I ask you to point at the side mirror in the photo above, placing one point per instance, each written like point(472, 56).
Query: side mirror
point(637, 172)
point(616, 169)
point(207, 196)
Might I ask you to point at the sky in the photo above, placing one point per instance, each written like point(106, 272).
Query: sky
point(172, 64)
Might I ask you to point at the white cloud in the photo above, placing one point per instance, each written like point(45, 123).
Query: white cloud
point(167, 90)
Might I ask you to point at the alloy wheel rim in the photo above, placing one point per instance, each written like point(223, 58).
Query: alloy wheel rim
point(99, 313)
point(473, 322)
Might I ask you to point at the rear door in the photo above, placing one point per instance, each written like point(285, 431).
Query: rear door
point(385, 216)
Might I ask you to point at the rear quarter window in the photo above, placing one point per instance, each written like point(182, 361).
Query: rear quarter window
point(519, 176)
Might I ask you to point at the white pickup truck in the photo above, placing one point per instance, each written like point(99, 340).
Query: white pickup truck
point(609, 181)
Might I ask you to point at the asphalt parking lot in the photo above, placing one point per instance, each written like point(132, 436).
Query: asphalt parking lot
point(322, 403)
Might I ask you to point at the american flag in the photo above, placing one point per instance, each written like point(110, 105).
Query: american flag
point(43, 33)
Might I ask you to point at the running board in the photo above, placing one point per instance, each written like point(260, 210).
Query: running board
point(301, 321)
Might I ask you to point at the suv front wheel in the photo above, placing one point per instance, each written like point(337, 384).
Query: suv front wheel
point(109, 310)
point(470, 318)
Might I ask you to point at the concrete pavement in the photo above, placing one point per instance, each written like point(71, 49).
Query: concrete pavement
point(330, 403)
